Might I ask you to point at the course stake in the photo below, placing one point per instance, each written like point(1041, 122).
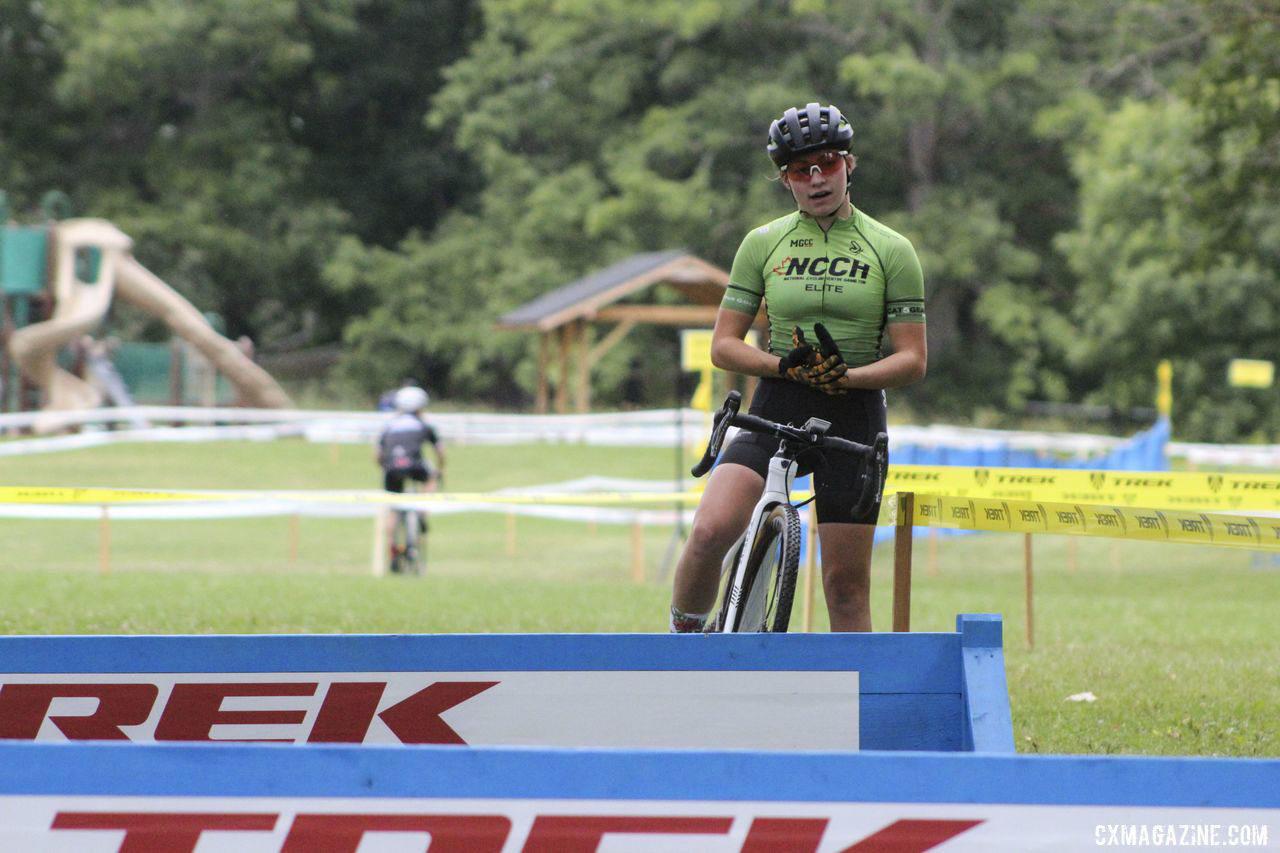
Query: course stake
point(1026, 554)
point(637, 552)
point(902, 562)
point(104, 541)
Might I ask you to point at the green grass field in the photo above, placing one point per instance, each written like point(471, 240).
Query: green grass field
point(1177, 643)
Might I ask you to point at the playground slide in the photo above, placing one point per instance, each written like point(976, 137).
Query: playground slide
point(80, 305)
point(139, 286)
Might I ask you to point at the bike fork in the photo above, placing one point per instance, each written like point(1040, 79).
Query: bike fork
point(739, 567)
point(777, 489)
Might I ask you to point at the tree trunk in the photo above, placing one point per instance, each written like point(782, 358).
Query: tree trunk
point(922, 136)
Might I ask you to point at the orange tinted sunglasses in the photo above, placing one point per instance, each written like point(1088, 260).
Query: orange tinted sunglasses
point(828, 162)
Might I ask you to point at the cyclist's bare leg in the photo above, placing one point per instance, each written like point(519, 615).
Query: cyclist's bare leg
point(846, 574)
point(723, 513)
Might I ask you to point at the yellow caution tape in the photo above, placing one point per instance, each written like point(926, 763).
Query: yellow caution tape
point(1082, 519)
point(969, 512)
point(103, 496)
point(77, 495)
point(1173, 489)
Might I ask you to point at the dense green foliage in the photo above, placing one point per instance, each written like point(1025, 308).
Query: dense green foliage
point(1092, 186)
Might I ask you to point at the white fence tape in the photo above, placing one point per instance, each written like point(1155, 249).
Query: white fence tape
point(652, 428)
point(1219, 455)
point(660, 427)
point(255, 509)
point(657, 427)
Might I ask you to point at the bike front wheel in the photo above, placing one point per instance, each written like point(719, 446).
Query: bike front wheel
point(399, 544)
point(416, 536)
point(408, 551)
point(769, 578)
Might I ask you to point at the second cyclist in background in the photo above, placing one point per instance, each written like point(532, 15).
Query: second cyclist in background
point(400, 443)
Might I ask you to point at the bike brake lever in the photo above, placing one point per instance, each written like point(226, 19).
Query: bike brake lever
point(732, 401)
point(873, 475)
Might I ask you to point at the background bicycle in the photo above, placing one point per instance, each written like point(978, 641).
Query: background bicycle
point(409, 537)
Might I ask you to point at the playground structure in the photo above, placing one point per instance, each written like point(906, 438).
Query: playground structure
point(77, 267)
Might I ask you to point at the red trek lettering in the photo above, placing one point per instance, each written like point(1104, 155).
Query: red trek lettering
point(417, 718)
point(911, 836)
point(583, 833)
point(346, 712)
point(194, 709)
point(23, 708)
point(784, 835)
point(342, 833)
point(159, 832)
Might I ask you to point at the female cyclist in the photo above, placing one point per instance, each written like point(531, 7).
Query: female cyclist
point(826, 263)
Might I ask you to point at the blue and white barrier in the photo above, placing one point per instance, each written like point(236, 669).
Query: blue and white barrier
point(107, 797)
point(923, 691)
point(567, 743)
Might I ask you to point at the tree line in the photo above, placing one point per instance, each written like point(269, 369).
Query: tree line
point(1092, 185)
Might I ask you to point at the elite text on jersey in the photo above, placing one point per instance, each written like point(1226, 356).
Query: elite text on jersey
point(855, 278)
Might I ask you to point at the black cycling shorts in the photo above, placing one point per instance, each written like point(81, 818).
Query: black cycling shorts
point(393, 479)
point(858, 416)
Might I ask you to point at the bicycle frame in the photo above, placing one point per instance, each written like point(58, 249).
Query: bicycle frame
point(777, 490)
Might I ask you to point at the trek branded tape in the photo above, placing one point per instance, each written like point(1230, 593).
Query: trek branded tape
point(1174, 489)
point(995, 514)
point(1080, 519)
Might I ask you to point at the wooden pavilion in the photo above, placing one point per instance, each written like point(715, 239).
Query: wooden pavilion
point(566, 318)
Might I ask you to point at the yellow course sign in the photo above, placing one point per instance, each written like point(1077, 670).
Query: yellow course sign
point(1164, 388)
point(1250, 373)
point(695, 354)
point(695, 349)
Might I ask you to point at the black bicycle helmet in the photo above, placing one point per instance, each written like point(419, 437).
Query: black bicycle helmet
point(807, 129)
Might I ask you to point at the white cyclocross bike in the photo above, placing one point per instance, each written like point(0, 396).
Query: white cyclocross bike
point(758, 576)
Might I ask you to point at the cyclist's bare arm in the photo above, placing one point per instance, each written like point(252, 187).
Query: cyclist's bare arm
point(437, 473)
point(730, 351)
point(906, 364)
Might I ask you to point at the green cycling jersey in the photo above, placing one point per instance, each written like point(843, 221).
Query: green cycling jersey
point(855, 278)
